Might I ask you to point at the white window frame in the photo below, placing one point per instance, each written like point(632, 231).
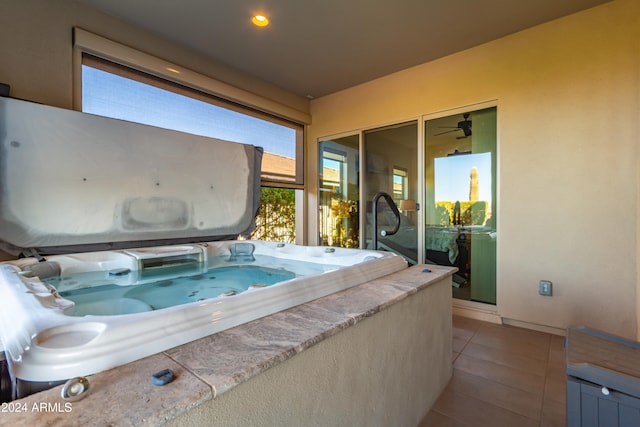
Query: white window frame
point(86, 42)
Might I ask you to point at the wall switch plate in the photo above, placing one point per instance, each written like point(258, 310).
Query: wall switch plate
point(545, 288)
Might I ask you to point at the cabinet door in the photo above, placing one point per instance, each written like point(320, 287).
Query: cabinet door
point(588, 406)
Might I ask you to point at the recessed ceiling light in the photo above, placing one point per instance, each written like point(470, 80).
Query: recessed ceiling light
point(260, 20)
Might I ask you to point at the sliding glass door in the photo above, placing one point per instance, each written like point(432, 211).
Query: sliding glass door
point(391, 166)
point(460, 200)
point(443, 179)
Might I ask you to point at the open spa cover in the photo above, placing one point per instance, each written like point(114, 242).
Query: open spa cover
point(73, 182)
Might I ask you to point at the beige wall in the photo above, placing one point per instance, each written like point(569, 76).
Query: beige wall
point(568, 116)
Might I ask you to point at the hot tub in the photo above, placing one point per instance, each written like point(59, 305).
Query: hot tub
point(47, 342)
point(117, 227)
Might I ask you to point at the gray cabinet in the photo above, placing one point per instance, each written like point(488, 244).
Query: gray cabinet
point(603, 380)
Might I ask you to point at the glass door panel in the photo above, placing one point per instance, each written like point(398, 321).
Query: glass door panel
point(391, 159)
point(460, 200)
point(340, 192)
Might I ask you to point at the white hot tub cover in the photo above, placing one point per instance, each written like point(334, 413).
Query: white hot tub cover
point(72, 182)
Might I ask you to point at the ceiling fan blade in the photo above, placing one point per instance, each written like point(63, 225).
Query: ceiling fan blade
point(448, 131)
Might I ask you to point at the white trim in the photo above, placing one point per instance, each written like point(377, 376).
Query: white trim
point(422, 188)
point(362, 214)
point(459, 110)
point(301, 218)
point(534, 326)
point(476, 310)
point(85, 41)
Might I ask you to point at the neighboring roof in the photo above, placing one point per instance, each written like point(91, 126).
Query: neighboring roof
point(275, 166)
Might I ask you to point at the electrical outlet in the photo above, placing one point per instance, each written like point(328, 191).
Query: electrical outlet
point(545, 288)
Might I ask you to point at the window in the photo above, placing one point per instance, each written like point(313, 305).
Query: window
point(117, 91)
point(339, 192)
point(112, 90)
point(400, 190)
point(333, 165)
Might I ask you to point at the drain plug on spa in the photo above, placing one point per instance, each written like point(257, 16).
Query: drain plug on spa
point(163, 377)
point(75, 389)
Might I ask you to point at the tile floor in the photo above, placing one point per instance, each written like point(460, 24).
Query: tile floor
point(503, 376)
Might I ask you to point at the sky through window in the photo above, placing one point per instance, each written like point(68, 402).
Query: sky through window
point(118, 97)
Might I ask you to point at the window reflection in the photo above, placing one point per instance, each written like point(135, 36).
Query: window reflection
point(460, 211)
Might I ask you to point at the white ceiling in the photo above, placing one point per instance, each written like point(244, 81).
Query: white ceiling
point(317, 47)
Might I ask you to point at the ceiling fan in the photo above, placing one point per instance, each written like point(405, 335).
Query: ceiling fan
point(464, 126)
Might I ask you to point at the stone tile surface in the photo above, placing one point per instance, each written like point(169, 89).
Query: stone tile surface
point(503, 376)
point(122, 396)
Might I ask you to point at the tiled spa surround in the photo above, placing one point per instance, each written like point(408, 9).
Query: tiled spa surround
point(213, 365)
point(118, 324)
